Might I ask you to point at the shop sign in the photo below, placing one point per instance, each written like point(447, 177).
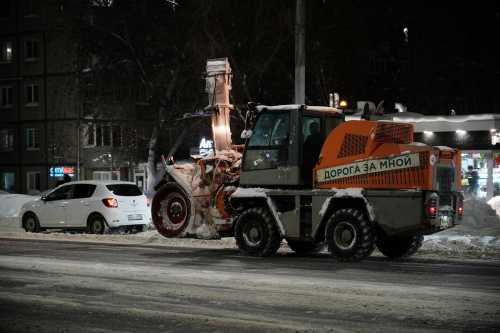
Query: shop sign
point(206, 146)
point(60, 171)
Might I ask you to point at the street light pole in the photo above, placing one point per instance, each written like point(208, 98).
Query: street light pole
point(300, 54)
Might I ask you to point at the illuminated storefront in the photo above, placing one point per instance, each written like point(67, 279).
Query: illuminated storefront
point(477, 136)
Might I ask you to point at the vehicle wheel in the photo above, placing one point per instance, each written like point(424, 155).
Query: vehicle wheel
point(171, 210)
point(349, 236)
point(400, 247)
point(256, 234)
point(97, 225)
point(31, 223)
point(305, 248)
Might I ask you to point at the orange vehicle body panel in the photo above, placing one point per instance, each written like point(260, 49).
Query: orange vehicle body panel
point(369, 154)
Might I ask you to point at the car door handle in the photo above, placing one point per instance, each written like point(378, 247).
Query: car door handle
point(87, 204)
point(62, 205)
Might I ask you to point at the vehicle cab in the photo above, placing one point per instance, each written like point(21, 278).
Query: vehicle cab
point(284, 143)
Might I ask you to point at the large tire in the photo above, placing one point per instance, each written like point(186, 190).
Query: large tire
point(306, 248)
point(400, 247)
point(31, 223)
point(97, 225)
point(171, 210)
point(349, 236)
point(256, 234)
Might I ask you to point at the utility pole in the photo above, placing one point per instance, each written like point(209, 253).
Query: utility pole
point(300, 55)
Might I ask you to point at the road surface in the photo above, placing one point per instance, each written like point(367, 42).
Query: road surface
point(66, 286)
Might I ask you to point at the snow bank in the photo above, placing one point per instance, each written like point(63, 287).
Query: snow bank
point(479, 214)
point(10, 204)
point(495, 204)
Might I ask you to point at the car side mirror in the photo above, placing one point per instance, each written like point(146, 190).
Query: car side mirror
point(44, 198)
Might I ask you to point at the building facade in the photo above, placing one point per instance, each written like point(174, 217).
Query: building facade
point(37, 112)
point(48, 127)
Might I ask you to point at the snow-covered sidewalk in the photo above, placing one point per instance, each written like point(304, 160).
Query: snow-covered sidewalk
point(477, 238)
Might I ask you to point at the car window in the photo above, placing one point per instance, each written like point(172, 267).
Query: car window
point(83, 191)
point(125, 190)
point(59, 194)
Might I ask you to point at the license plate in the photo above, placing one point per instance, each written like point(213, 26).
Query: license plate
point(135, 217)
point(444, 222)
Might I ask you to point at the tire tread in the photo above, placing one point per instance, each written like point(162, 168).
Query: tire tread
point(274, 240)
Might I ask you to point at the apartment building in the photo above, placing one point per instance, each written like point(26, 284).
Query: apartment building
point(47, 125)
point(38, 115)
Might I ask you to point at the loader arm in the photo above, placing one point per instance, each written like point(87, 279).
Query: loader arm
point(218, 86)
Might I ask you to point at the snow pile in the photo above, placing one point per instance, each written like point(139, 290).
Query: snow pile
point(478, 214)
point(477, 237)
point(495, 204)
point(10, 204)
point(463, 242)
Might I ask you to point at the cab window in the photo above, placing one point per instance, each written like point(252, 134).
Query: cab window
point(268, 146)
point(271, 130)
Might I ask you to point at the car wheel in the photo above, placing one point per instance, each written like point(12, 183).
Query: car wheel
point(349, 236)
point(171, 210)
point(97, 225)
point(400, 247)
point(256, 234)
point(31, 223)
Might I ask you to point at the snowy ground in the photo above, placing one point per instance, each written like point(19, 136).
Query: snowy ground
point(477, 238)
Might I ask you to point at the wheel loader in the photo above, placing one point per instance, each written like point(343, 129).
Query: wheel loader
point(307, 176)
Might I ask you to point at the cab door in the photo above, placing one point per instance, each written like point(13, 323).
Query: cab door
point(52, 212)
point(78, 206)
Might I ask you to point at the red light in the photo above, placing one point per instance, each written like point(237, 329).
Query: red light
point(148, 200)
point(460, 209)
point(111, 203)
point(432, 209)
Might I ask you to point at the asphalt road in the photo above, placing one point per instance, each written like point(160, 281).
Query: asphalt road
point(61, 286)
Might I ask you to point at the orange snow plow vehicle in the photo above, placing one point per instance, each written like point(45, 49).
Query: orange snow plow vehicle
point(308, 176)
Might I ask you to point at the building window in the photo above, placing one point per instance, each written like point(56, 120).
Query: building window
point(104, 175)
point(32, 139)
point(5, 97)
point(32, 94)
point(4, 9)
point(7, 143)
point(6, 51)
point(33, 181)
point(29, 8)
point(8, 182)
point(116, 135)
point(31, 50)
point(102, 135)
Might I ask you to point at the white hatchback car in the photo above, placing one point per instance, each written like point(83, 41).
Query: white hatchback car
point(92, 205)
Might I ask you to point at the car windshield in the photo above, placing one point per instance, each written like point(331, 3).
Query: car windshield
point(125, 190)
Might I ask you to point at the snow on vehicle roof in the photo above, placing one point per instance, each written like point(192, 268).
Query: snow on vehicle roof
point(442, 148)
point(260, 108)
point(448, 123)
